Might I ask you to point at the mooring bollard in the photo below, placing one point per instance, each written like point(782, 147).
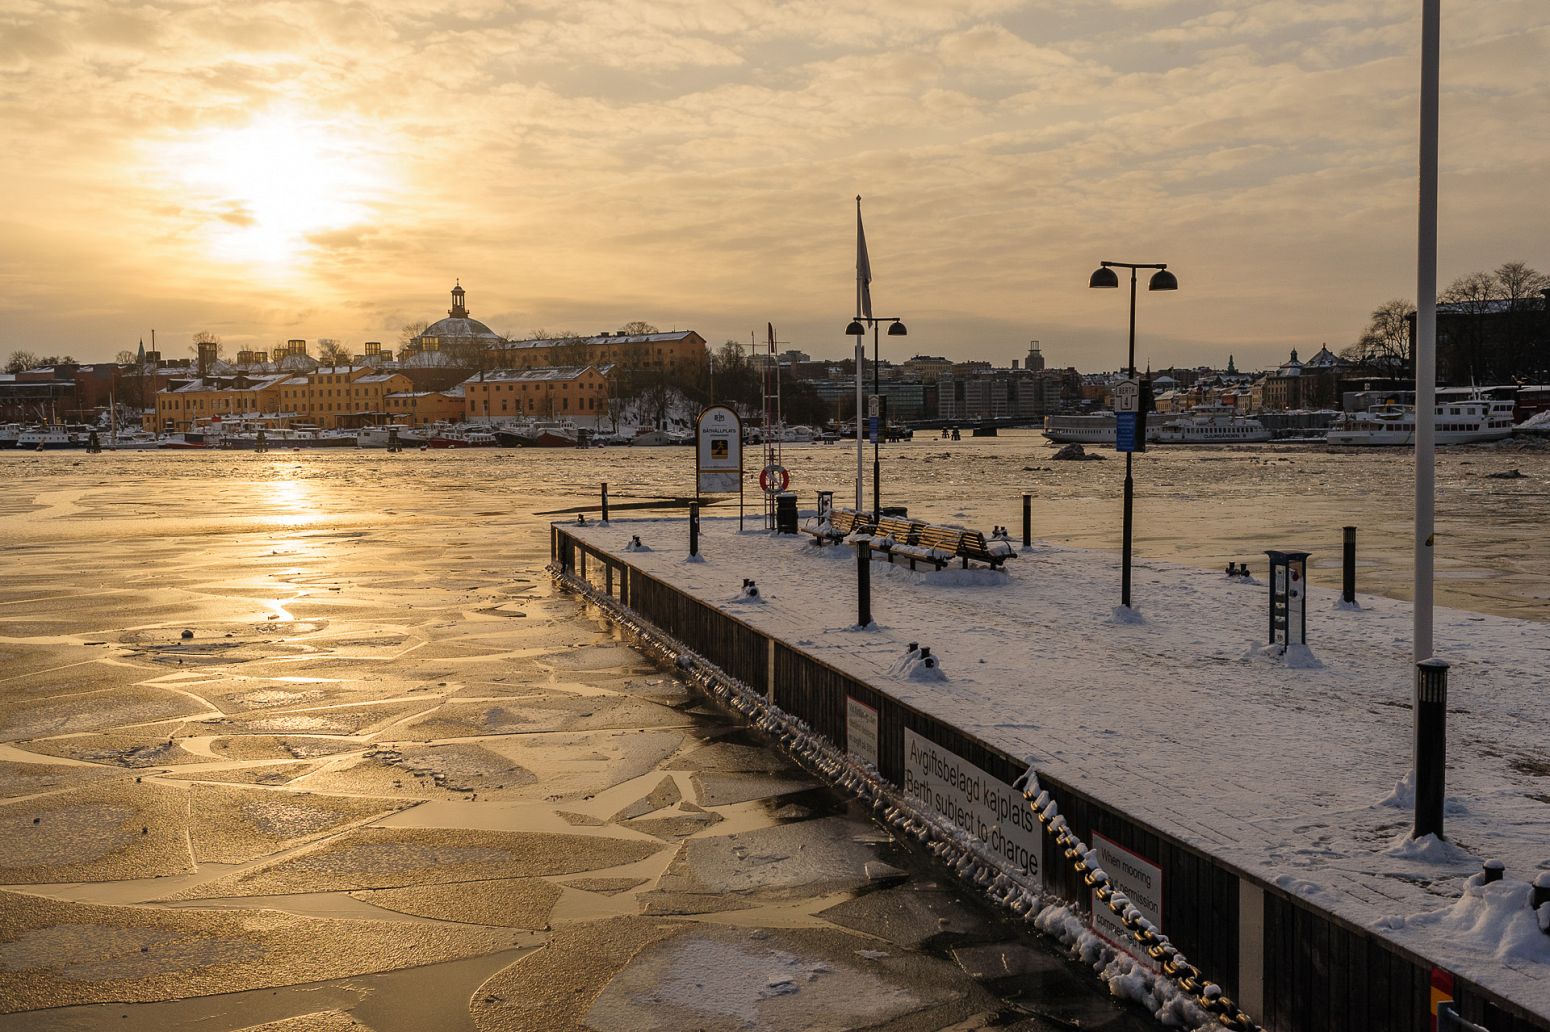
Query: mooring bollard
point(1027, 521)
point(605, 501)
point(1431, 745)
point(1492, 871)
point(1348, 568)
point(863, 583)
point(694, 528)
point(1541, 898)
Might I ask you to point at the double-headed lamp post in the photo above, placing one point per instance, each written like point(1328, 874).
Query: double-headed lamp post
point(1162, 279)
point(896, 328)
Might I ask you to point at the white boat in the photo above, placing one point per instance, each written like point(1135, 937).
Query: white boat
point(1215, 424)
point(1458, 420)
point(50, 438)
point(660, 438)
point(382, 436)
point(799, 434)
point(1097, 428)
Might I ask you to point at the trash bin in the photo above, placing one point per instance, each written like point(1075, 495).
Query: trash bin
point(786, 512)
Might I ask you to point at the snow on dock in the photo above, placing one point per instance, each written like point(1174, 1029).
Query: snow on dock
point(1291, 769)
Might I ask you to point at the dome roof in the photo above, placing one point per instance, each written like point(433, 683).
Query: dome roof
point(454, 328)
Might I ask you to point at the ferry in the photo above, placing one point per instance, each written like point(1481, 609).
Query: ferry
point(1215, 424)
point(1097, 428)
point(382, 436)
point(1470, 419)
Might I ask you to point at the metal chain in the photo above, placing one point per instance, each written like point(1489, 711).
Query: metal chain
point(1189, 978)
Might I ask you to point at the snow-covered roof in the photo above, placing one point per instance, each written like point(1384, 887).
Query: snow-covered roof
point(529, 375)
point(638, 338)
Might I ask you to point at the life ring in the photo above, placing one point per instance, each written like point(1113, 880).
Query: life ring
point(774, 479)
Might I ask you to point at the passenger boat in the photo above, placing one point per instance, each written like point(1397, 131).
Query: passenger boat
point(1215, 424)
point(382, 436)
point(51, 438)
point(1470, 419)
point(463, 439)
point(1097, 428)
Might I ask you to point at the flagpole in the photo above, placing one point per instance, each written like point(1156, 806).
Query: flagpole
point(860, 359)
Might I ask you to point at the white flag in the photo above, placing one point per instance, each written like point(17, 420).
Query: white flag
point(863, 268)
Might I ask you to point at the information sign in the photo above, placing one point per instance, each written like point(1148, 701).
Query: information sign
point(861, 730)
point(941, 781)
point(1125, 424)
point(871, 422)
point(1127, 396)
point(1142, 883)
point(719, 451)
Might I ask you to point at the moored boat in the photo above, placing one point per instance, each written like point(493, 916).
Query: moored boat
point(1208, 425)
point(1471, 419)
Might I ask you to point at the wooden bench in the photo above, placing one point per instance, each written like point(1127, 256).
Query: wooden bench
point(841, 524)
point(972, 545)
point(935, 545)
point(894, 532)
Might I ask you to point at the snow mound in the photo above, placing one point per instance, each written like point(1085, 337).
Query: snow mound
point(694, 558)
point(1350, 607)
point(915, 667)
point(1126, 615)
point(1493, 920)
point(1403, 797)
point(1429, 849)
point(1293, 657)
point(635, 545)
point(749, 595)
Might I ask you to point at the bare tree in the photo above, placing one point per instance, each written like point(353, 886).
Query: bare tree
point(1384, 347)
point(1519, 281)
point(409, 331)
point(206, 337)
point(333, 352)
point(20, 361)
point(125, 357)
point(638, 327)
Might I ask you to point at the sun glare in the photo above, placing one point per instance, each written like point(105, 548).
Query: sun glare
point(268, 186)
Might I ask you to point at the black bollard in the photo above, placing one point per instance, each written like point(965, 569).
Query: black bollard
point(1027, 521)
point(1348, 568)
point(1492, 871)
point(1541, 897)
point(1431, 745)
point(694, 528)
point(605, 501)
point(863, 583)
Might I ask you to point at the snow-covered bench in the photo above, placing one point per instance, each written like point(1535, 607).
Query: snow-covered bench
point(836, 525)
point(941, 545)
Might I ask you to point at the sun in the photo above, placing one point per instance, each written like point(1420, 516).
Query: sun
point(265, 189)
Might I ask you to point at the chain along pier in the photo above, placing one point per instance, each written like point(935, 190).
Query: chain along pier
point(1223, 828)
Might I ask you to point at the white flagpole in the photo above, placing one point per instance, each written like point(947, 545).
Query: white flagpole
point(860, 437)
point(1426, 333)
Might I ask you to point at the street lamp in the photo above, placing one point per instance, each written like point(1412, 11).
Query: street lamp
point(1162, 279)
point(896, 328)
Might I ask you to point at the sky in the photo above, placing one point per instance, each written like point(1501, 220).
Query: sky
point(269, 170)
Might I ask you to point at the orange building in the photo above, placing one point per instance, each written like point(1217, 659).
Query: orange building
point(680, 352)
point(544, 393)
point(210, 398)
point(341, 396)
point(420, 408)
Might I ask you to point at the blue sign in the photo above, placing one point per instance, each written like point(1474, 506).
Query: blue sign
point(872, 427)
point(1125, 431)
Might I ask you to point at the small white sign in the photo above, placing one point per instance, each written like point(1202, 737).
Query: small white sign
point(986, 807)
point(1127, 396)
point(874, 405)
point(719, 450)
point(861, 730)
point(1142, 883)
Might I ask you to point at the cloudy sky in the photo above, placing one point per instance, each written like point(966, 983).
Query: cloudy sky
point(302, 169)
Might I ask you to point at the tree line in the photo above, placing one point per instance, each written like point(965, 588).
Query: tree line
point(1495, 330)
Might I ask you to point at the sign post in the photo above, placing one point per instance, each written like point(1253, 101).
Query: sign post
point(718, 449)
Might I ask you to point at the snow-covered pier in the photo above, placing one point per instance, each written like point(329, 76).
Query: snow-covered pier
point(1252, 810)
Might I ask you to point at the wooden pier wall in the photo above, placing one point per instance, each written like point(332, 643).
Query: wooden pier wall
point(1291, 965)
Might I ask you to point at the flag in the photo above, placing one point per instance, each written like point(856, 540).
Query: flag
point(863, 268)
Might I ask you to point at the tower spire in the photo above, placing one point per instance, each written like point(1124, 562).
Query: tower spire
point(458, 309)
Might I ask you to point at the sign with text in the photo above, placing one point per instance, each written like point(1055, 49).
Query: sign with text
point(994, 812)
point(1141, 881)
point(861, 730)
point(719, 450)
point(1127, 396)
point(1125, 425)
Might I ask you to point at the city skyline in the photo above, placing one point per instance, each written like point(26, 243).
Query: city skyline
point(326, 171)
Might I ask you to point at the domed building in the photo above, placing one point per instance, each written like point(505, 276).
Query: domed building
point(455, 338)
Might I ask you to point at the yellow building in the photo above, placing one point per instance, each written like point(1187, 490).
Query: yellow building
point(545, 393)
point(341, 396)
point(681, 352)
point(218, 398)
point(420, 408)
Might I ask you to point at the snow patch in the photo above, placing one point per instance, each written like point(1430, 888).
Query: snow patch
point(1493, 919)
point(1293, 657)
point(1126, 615)
point(1429, 849)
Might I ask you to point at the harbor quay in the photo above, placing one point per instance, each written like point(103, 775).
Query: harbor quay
point(1221, 824)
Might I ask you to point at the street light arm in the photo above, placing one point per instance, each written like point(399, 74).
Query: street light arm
point(1133, 265)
